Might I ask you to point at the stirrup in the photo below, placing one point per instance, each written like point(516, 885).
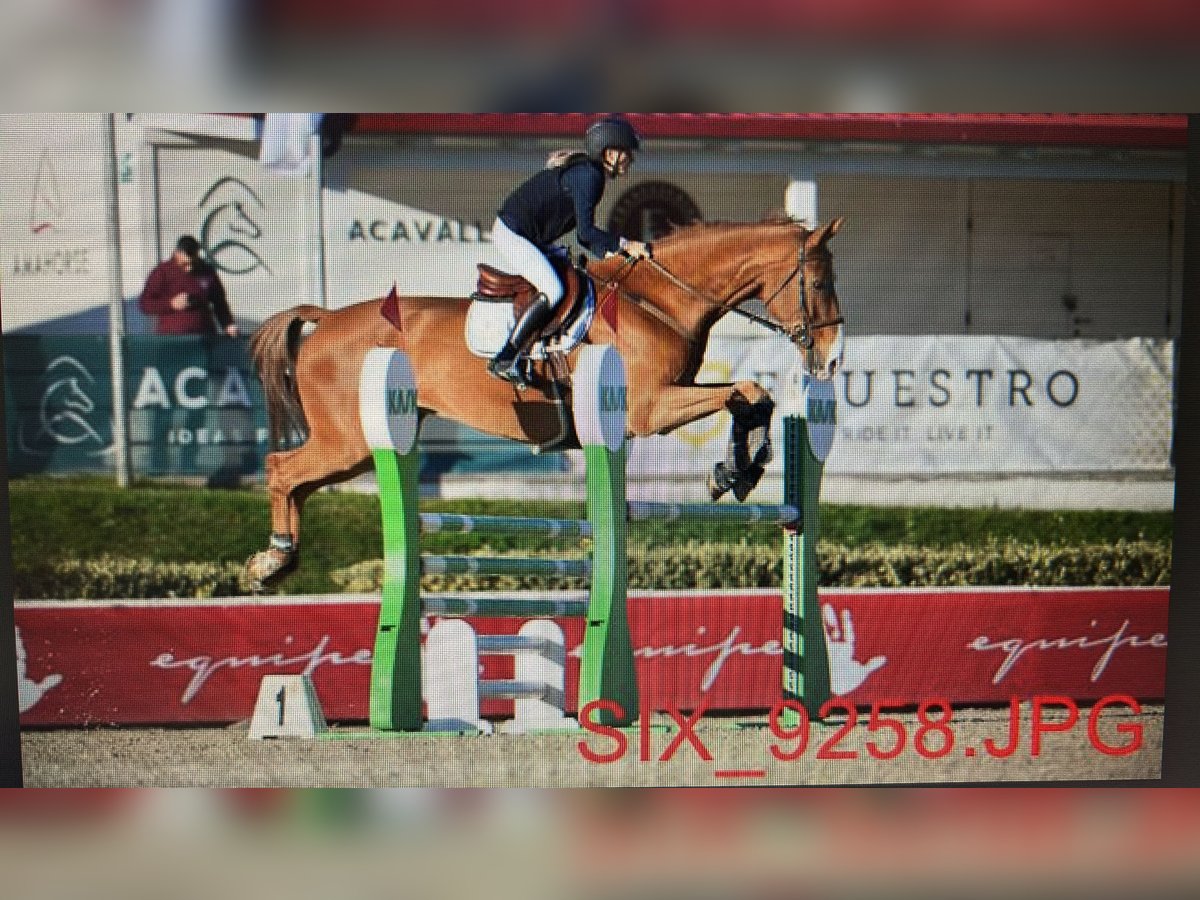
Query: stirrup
point(511, 359)
point(514, 372)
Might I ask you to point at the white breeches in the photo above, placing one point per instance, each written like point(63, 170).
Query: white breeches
point(522, 257)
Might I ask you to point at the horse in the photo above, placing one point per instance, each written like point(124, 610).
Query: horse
point(657, 313)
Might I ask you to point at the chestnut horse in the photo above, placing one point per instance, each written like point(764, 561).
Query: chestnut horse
point(664, 311)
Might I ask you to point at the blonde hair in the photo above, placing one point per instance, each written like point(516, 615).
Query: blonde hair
point(559, 158)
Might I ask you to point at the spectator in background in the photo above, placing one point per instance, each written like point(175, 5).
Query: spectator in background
point(186, 296)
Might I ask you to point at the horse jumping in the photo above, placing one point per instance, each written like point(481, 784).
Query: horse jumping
point(657, 313)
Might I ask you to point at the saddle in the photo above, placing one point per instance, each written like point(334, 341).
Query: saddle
point(495, 286)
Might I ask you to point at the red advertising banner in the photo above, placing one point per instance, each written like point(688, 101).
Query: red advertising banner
point(163, 662)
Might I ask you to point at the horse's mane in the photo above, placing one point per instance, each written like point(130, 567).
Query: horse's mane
point(694, 230)
point(683, 235)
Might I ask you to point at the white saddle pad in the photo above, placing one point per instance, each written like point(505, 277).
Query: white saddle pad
point(489, 324)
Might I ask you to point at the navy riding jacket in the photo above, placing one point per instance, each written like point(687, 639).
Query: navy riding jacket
point(554, 201)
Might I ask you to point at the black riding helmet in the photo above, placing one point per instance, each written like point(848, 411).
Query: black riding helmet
point(611, 131)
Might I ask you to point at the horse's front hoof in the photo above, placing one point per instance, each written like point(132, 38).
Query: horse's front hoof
point(746, 482)
point(758, 447)
point(265, 566)
point(715, 491)
point(720, 480)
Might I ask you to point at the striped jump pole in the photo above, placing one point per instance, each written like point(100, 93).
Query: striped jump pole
point(807, 437)
point(388, 412)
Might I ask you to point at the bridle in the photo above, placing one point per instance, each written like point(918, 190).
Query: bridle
point(799, 334)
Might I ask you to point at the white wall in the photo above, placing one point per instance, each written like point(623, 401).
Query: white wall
point(256, 227)
point(918, 268)
point(54, 258)
point(416, 212)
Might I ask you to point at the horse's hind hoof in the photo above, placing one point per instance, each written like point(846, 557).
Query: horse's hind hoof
point(265, 566)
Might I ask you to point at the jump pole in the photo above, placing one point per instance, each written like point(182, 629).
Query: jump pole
point(388, 407)
point(808, 434)
point(606, 672)
point(389, 417)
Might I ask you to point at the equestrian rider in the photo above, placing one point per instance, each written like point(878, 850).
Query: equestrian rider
point(547, 206)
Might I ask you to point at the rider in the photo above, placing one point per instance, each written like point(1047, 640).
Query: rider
point(547, 206)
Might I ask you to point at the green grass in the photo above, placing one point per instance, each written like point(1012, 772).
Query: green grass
point(82, 518)
point(937, 527)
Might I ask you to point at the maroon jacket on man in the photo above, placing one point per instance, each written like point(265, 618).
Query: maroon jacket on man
point(204, 290)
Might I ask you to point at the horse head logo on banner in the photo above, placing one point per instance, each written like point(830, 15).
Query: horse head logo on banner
point(65, 411)
point(228, 228)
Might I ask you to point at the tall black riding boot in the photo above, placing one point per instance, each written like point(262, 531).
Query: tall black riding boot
point(506, 364)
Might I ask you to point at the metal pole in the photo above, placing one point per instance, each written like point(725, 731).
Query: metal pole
point(116, 308)
point(318, 175)
point(10, 714)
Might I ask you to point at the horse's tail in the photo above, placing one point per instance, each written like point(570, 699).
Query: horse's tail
point(273, 348)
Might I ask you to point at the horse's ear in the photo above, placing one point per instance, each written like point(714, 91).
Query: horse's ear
point(822, 235)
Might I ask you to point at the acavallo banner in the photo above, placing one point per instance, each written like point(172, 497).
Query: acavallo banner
point(195, 406)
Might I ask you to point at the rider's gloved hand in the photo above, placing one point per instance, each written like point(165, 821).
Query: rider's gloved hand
point(636, 249)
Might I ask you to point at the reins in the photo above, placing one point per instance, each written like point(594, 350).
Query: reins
point(799, 334)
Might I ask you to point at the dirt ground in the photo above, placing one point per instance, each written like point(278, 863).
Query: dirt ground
point(740, 751)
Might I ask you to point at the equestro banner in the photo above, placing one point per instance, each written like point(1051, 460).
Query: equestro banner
point(139, 662)
point(1004, 404)
point(933, 405)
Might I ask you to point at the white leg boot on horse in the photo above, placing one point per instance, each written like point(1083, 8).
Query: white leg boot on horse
point(288, 496)
point(280, 555)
